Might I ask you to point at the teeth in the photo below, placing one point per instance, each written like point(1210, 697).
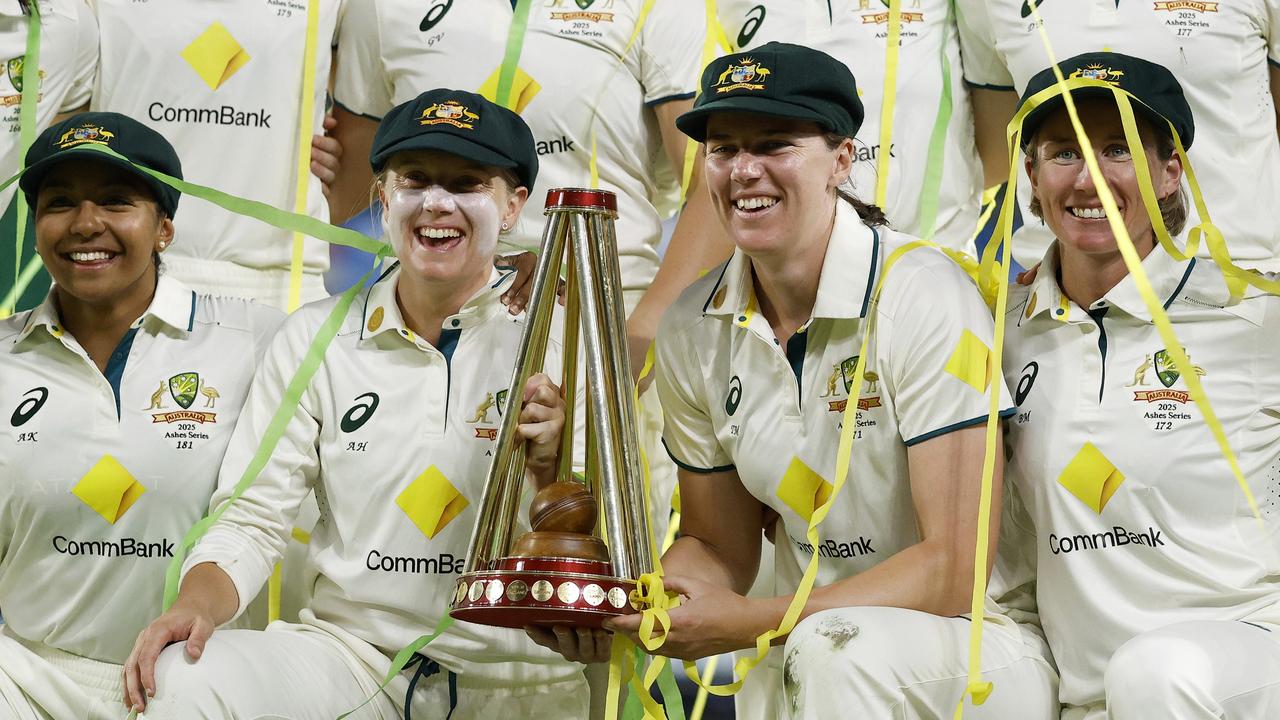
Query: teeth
point(438, 233)
point(90, 256)
point(1090, 213)
point(755, 203)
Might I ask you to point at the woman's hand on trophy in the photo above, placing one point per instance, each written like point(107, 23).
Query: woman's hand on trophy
point(580, 644)
point(710, 620)
point(541, 422)
point(517, 296)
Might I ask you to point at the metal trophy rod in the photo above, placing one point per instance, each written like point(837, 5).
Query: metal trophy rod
point(625, 396)
point(600, 399)
point(491, 535)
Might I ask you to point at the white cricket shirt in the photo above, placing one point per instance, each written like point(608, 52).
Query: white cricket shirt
point(1138, 521)
point(1219, 51)
point(105, 472)
point(734, 398)
point(222, 81)
point(570, 78)
point(395, 436)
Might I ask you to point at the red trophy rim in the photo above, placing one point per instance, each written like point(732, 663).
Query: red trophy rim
point(550, 592)
point(581, 199)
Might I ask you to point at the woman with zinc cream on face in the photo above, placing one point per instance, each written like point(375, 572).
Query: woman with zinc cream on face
point(121, 392)
point(756, 364)
point(1157, 586)
point(393, 434)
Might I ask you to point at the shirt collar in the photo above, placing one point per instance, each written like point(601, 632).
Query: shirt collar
point(1167, 276)
point(174, 305)
point(844, 287)
point(382, 312)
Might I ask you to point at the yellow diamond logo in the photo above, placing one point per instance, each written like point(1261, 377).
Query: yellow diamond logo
point(523, 89)
point(1091, 477)
point(109, 489)
point(970, 362)
point(802, 489)
point(431, 501)
point(215, 55)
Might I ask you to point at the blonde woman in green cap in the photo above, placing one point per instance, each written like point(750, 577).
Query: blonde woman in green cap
point(394, 434)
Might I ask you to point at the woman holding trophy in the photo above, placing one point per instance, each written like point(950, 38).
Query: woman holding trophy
point(756, 367)
point(394, 434)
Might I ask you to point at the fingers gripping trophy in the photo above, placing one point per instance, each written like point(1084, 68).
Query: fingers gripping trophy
point(589, 540)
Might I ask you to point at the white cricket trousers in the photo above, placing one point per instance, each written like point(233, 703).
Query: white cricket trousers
point(38, 682)
point(1202, 670)
point(879, 663)
point(299, 672)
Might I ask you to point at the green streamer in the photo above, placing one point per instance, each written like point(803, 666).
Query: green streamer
point(404, 657)
point(928, 211)
point(511, 57)
point(26, 133)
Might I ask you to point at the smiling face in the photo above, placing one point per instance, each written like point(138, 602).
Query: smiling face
point(1061, 182)
point(442, 215)
point(773, 180)
point(98, 228)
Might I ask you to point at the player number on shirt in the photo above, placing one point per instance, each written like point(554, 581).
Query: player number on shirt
point(28, 408)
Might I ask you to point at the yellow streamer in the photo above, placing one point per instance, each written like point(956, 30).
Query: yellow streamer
point(306, 127)
point(1217, 247)
point(890, 99)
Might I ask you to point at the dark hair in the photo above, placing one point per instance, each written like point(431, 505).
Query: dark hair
point(1173, 207)
point(871, 215)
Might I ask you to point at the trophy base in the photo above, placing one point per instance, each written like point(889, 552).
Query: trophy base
point(522, 591)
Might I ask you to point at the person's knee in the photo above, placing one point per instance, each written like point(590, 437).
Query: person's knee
point(184, 685)
point(1152, 669)
point(854, 639)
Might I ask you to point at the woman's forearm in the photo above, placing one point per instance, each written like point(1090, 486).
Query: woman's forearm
point(208, 590)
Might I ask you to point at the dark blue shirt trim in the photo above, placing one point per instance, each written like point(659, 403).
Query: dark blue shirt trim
point(715, 287)
point(446, 345)
point(670, 98)
point(983, 86)
point(374, 118)
point(796, 346)
point(1008, 412)
point(115, 365)
point(1181, 284)
point(191, 321)
point(1097, 316)
point(693, 468)
point(871, 276)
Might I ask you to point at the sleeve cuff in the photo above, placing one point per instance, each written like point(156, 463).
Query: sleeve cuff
point(344, 106)
point(248, 574)
point(1007, 412)
point(987, 86)
point(670, 98)
point(694, 468)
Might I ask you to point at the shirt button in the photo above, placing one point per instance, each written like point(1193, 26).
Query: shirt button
point(1058, 312)
point(742, 318)
point(455, 322)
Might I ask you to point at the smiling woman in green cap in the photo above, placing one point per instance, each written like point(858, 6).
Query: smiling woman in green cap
point(107, 388)
point(1157, 587)
point(756, 368)
point(395, 434)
